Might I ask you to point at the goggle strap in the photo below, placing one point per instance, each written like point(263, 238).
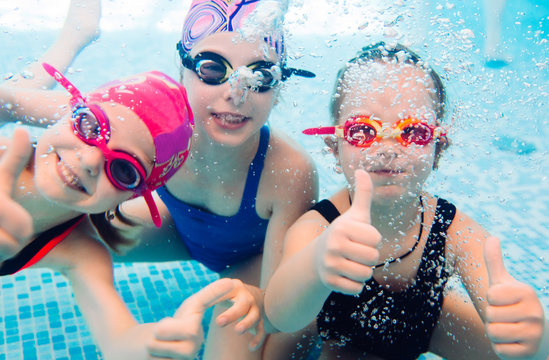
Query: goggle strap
point(438, 132)
point(63, 81)
point(287, 72)
point(152, 208)
point(325, 130)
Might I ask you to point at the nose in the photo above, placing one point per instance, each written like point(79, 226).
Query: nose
point(240, 84)
point(386, 148)
point(92, 160)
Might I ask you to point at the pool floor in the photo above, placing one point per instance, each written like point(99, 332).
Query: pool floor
point(40, 320)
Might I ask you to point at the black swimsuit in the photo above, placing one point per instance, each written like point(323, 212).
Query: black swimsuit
point(39, 247)
point(392, 325)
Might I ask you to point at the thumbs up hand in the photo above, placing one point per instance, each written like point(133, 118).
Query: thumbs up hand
point(514, 315)
point(15, 221)
point(347, 249)
point(181, 337)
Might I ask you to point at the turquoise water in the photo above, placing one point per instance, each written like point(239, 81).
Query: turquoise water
point(496, 169)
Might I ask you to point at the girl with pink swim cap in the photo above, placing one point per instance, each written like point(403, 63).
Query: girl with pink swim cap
point(94, 158)
point(97, 156)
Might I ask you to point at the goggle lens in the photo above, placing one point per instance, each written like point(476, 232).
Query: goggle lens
point(266, 79)
point(125, 174)
point(210, 71)
point(86, 124)
point(361, 134)
point(418, 133)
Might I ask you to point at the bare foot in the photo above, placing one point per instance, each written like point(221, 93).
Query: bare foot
point(82, 23)
point(81, 27)
point(495, 57)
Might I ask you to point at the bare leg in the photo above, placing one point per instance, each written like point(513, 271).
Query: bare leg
point(493, 12)
point(81, 27)
point(225, 343)
point(25, 97)
point(298, 345)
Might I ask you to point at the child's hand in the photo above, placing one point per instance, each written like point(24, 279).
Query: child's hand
point(181, 337)
point(348, 248)
point(15, 221)
point(514, 316)
point(245, 303)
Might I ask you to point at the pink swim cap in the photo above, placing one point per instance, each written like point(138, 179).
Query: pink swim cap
point(162, 104)
point(206, 17)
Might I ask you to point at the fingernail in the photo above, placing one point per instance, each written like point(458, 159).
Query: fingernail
point(240, 329)
point(221, 321)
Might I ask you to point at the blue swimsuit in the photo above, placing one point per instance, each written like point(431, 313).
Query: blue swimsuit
point(220, 241)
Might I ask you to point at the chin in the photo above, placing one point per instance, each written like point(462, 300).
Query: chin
point(230, 139)
point(389, 192)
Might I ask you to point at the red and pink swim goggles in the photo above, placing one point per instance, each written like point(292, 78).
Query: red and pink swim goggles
point(363, 131)
point(160, 103)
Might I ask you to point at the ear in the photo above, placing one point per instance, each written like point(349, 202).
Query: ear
point(333, 144)
point(442, 143)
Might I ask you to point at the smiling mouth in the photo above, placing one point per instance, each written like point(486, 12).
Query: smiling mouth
point(230, 118)
point(386, 172)
point(69, 178)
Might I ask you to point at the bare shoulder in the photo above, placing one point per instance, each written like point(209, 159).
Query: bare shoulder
point(4, 143)
point(311, 224)
point(307, 227)
point(464, 228)
point(465, 238)
point(81, 249)
point(288, 161)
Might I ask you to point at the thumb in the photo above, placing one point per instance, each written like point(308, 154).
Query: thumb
point(362, 199)
point(14, 160)
point(497, 274)
point(210, 295)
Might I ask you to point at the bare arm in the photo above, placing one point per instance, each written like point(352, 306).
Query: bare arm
point(466, 241)
point(320, 258)
point(153, 244)
point(25, 97)
point(31, 106)
point(295, 293)
point(298, 178)
point(87, 264)
point(511, 310)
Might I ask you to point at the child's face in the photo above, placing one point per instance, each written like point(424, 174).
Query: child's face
point(226, 115)
point(72, 173)
point(388, 93)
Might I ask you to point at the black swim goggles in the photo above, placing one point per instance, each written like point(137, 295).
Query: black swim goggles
point(214, 69)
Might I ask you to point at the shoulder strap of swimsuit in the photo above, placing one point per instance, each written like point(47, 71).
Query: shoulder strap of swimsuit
point(327, 210)
point(433, 253)
point(39, 247)
point(255, 169)
point(444, 215)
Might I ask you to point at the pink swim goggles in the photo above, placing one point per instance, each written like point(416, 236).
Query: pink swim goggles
point(160, 103)
point(91, 125)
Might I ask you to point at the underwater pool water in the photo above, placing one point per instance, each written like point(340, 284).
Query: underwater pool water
point(496, 170)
